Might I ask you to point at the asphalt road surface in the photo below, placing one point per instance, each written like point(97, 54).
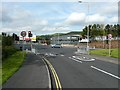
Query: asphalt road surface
point(68, 71)
point(74, 73)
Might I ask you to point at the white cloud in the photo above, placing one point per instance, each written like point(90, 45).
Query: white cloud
point(6, 29)
point(18, 29)
point(45, 20)
point(82, 18)
point(19, 14)
point(110, 9)
point(59, 29)
point(76, 18)
point(40, 22)
point(113, 19)
point(96, 18)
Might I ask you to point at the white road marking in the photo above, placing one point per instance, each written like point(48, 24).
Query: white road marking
point(75, 60)
point(105, 72)
point(48, 74)
point(90, 60)
point(83, 58)
point(62, 55)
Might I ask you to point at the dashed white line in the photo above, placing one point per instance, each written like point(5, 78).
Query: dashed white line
point(105, 72)
point(75, 60)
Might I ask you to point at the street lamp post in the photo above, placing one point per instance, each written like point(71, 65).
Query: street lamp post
point(87, 28)
point(58, 38)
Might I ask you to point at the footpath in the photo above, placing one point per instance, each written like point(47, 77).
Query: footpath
point(32, 74)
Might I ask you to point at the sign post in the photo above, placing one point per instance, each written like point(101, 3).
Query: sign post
point(109, 37)
point(30, 35)
point(23, 34)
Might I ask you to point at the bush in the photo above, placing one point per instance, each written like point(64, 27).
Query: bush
point(7, 51)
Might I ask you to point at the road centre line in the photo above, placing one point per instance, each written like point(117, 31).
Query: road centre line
point(105, 72)
point(57, 81)
point(75, 60)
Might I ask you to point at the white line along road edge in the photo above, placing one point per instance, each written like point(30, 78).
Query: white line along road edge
point(48, 74)
point(75, 60)
point(105, 72)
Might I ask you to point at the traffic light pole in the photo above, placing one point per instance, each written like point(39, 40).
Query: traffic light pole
point(30, 35)
point(31, 43)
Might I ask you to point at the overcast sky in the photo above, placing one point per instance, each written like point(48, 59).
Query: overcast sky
point(55, 17)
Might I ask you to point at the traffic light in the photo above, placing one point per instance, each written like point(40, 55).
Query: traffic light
point(29, 34)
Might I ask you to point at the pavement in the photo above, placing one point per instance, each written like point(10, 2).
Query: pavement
point(32, 74)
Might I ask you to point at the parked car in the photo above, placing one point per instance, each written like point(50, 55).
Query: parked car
point(56, 45)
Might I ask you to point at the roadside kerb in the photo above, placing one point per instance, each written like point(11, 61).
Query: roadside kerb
point(102, 58)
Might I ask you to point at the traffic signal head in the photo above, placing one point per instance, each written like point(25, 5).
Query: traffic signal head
point(29, 34)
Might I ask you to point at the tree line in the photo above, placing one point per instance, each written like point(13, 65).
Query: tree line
point(101, 30)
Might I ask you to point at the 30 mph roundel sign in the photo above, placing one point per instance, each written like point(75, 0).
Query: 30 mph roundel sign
point(23, 33)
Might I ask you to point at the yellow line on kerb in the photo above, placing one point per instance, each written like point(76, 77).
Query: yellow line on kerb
point(57, 81)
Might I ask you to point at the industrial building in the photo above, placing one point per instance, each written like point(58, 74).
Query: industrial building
point(65, 39)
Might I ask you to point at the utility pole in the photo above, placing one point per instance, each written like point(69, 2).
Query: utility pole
point(88, 26)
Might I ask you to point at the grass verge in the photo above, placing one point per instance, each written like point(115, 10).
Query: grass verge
point(11, 65)
point(105, 52)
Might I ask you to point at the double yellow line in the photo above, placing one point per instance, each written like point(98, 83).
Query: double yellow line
point(57, 81)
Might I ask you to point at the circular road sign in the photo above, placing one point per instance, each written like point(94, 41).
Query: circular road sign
point(110, 36)
point(23, 33)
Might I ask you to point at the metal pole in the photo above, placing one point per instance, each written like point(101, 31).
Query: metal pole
point(109, 47)
point(87, 28)
point(31, 43)
point(88, 32)
point(23, 47)
point(58, 38)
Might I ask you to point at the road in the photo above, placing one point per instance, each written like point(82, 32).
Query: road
point(74, 73)
point(66, 70)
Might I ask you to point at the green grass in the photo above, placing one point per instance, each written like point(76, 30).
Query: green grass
point(11, 65)
point(105, 52)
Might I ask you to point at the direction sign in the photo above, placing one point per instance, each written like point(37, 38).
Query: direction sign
point(23, 33)
point(110, 36)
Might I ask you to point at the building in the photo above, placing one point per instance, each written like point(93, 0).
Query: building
point(65, 39)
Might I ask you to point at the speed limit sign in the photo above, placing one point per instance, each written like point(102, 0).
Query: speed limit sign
point(110, 36)
point(23, 33)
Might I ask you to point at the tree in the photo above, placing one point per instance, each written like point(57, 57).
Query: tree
point(107, 29)
point(84, 33)
point(94, 32)
point(115, 30)
point(118, 30)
